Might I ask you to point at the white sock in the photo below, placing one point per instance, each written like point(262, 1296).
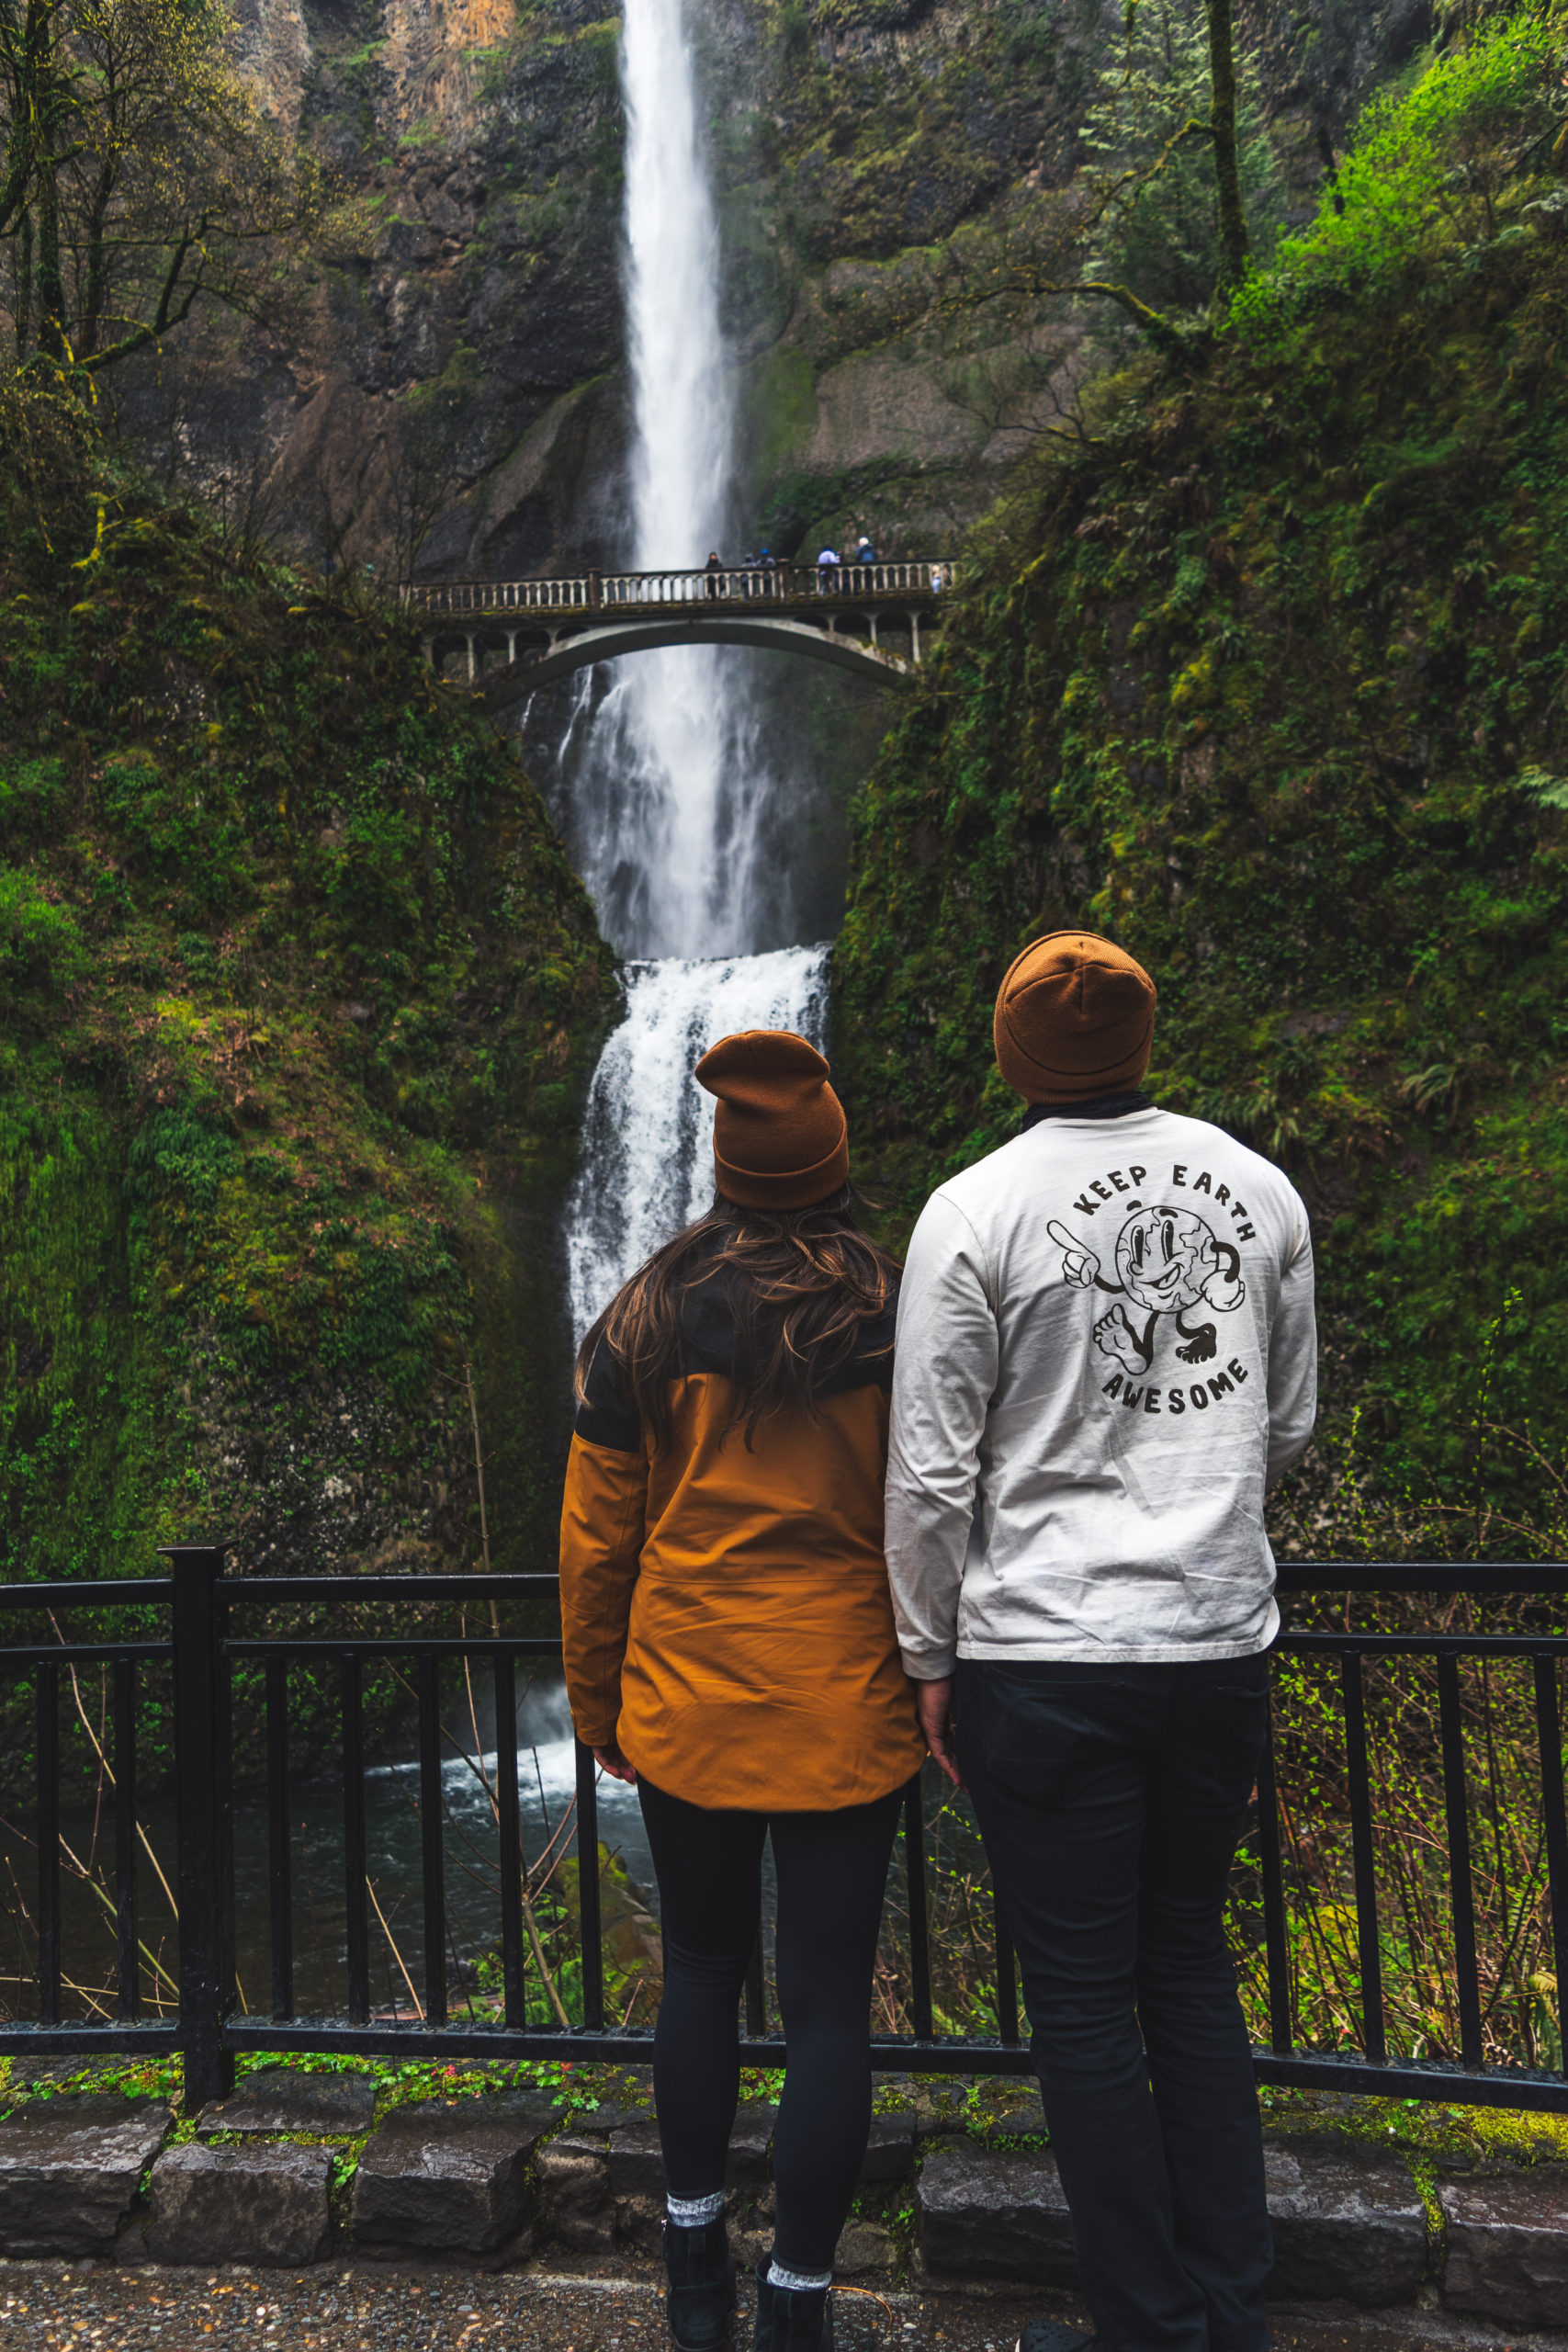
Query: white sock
point(694, 2212)
point(797, 2282)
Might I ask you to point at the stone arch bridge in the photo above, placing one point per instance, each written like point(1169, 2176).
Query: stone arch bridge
point(546, 628)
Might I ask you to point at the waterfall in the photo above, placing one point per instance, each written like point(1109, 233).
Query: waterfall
point(673, 776)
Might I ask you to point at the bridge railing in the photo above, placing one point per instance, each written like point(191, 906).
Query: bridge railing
point(614, 592)
point(313, 1628)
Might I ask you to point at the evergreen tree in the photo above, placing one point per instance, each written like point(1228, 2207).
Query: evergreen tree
point(1161, 236)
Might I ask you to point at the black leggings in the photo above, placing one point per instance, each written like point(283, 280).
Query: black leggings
point(831, 1871)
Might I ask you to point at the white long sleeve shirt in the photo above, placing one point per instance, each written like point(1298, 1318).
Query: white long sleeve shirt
point(1106, 1349)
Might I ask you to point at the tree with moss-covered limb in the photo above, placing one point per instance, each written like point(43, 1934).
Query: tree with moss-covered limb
point(139, 177)
point(1155, 222)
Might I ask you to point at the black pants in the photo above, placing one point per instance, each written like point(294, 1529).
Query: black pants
point(1111, 1799)
point(831, 1869)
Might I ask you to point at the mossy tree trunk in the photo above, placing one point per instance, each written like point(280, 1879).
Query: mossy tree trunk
point(1227, 179)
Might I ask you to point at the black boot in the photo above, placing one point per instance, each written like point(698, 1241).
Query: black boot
point(792, 2319)
point(701, 2300)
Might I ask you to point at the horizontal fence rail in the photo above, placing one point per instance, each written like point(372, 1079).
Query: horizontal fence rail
point(212, 1629)
point(618, 591)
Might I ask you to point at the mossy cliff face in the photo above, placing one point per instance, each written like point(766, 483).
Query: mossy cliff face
point(1268, 684)
point(299, 997)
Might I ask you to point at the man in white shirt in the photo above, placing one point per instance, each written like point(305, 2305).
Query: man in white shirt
point(1106, 1349)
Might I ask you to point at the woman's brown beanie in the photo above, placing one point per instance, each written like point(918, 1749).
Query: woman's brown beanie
point(1075, 1018)
point(779, 1138)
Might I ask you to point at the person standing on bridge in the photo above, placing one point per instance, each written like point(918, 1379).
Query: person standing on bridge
point(714, 568)
point(1106, 1349)
point(828, 573)
point(729, 1640)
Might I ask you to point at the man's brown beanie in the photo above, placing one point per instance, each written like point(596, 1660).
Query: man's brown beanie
point(779, 1138)
point(1075, 1018)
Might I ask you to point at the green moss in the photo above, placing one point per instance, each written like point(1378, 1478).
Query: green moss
point(297, 997)
point(1257, 682)
point(778, 409)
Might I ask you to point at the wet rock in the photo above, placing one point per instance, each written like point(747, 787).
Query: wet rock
point(69, 2169)
point(637, 2183)
point(890, 2150)
point(1025, 2120)
point(983, 2213)
point(637, 2164)
point(1508, 2246)
point(262, 2203)
point(864, 2246)
point(450, 2174)
point(574, 2188)
point(609, 2117)
point(1348, 2222)
point(280, 2099)
point(637, 2173)
point(749, 2144)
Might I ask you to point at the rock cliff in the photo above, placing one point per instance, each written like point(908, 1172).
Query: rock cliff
point(468, 282)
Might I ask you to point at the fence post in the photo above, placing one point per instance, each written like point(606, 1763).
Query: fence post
point(204, 1880)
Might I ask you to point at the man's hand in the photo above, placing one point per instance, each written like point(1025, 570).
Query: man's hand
point(933, 1704)
point(611, 1760)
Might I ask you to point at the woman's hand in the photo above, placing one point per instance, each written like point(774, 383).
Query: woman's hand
point(611, 1760)
point(933, 1706)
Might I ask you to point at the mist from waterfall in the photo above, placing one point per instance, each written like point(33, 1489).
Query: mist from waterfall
point(670, 777)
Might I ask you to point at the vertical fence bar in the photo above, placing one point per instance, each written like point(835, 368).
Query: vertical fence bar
point(1458, 1812)
point(1374, 2040)
point(1007, 1977)
point(1275, 1946)
point(1549, 1730)
point(128, 2006)
point(48, 1844)
point(509, 1832)
point(756, 2004)
point(279, 1874)
point(588, 1891)
point(433, 1876)
point(204, 1883)
point(914, 1885)
point(358, 1933)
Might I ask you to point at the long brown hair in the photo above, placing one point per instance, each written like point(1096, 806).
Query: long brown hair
point(801, 1281)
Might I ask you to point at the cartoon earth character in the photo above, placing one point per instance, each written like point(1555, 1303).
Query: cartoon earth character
point(1168, 1261)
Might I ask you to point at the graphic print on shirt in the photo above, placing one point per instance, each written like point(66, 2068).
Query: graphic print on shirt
point(1168, 1261)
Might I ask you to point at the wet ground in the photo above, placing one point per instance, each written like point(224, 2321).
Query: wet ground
point(48, 2307)
point(58, 2307)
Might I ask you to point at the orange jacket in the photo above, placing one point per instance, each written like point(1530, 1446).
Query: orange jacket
point(725, 1610)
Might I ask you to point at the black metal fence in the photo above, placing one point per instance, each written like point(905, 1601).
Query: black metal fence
point(208, 1612)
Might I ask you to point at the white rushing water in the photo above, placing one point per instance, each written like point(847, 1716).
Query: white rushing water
point(648, 1166)
point(670, 777)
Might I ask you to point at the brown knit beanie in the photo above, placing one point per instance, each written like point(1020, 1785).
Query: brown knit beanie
point(779, 1138)
point(1075, 1018)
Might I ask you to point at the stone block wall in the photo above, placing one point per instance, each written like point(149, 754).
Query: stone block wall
point(965, 2194)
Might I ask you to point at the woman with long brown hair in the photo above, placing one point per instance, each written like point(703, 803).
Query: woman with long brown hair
point(730, 1648)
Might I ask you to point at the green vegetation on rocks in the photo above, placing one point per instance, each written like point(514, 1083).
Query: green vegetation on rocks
point(1266, 677)
point(298, 997)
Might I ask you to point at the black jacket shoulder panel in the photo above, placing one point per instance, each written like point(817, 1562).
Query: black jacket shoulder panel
point(707, 1341)
point(606, 1415)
